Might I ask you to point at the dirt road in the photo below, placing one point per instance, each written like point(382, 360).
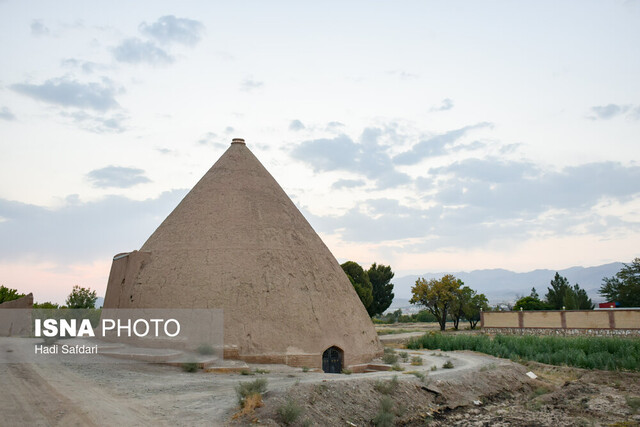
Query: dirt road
point(142, 394)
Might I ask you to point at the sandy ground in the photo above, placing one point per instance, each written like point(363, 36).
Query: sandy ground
point(140, 394)
point(146, 394)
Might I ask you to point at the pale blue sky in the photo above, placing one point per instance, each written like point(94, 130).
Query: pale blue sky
point(430, 136)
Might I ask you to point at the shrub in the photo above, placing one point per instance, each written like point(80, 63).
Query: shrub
point(390, 358)
point(261, 371)
point(205, 349)
point(347, 371)
point(448, 365)
point(290, 412)
point(420, 375)
point(189, 366)
point(385, 416)
point(305, 369)
point(434, 368)
point(320, 388)
point(633, 403)
point(539, 391)
point(249, 405)
point(246, 372)
point(404, 355)
point(416, 361)
point(246, 389)
point(396, 367)
point(386, 387)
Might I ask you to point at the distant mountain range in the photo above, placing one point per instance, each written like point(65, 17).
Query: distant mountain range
point(506, 286)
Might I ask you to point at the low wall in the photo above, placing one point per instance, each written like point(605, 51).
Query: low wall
point(563, 322)
point(15, 317)
point(631, 333)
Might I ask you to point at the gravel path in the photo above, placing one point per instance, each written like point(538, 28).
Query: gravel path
point(144, 394)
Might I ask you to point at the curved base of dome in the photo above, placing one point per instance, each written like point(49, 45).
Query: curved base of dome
point(309, 360)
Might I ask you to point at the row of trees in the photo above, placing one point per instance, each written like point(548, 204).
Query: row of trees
point(78, 298)
point(449, 297)
point(560, 296)
point(623, 289)
point(373, 286)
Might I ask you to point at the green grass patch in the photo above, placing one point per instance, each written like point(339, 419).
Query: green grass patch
point(582, 352)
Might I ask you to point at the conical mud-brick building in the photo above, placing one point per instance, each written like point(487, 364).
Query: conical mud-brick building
point(237, 242)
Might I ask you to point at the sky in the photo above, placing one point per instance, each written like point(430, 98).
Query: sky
point(426, 135)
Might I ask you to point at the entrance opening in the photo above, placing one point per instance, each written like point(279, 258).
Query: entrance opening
point(332, 360)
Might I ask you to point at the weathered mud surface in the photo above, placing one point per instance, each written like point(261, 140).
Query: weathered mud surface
point(495, 395)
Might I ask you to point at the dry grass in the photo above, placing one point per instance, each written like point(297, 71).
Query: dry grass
point(250, 404)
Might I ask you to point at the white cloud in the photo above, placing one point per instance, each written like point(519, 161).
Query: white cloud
point(435, 146)
point(66, 92)
point(250, 84)
point(169, 29)
point(446, 104)
point(136, 51)
point(80, 231)
point(296, 125)
point(38, 28)
point(367, 157)
point(6, 114)
point(117, 177)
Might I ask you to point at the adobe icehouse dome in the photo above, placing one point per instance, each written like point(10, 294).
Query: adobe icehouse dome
point(237, 242)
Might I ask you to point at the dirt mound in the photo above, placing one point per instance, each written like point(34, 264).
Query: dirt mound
point(410, 400)
point(561, 396)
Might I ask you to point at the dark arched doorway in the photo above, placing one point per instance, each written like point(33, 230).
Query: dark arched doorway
point(332, 360)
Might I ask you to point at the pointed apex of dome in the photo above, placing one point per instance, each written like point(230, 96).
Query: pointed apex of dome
point(238, 141)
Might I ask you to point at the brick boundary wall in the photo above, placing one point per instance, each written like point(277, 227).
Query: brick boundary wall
point(620, 322)
point(622, 333)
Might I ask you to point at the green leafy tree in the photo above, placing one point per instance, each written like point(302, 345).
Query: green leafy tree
point(425, 316)
point(81, 298)
point(582, 300)
point(561, 294)
point(472, 309)
point(437, 296)
point(530, 303)
point(624, 287)
point(557, 293)
point(8, 294)
point(463, 297)
point(381, 288)
point(360, 281)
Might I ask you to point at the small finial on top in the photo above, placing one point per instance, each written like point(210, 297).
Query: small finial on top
point(237, 141)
